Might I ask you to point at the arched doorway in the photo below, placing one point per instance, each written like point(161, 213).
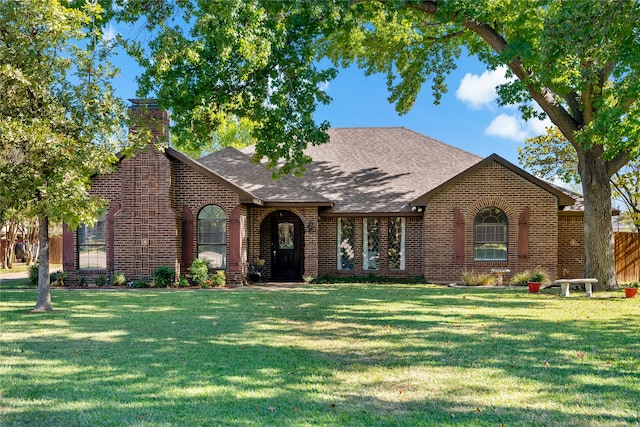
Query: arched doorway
point(282, 238)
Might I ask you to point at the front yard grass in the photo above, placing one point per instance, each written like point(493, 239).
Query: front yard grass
point(364, 354)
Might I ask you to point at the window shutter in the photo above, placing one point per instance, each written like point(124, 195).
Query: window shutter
point(235, 240)
point(523, 236)
point(458, 239)
point(67, 249)
point(111, 219)
point(187, 237)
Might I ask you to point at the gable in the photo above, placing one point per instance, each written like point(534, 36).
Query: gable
point(563, 198)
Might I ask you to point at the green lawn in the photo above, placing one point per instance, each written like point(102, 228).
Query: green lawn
point(378, 355)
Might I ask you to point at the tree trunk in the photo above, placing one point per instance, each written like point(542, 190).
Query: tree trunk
point(31, 242)
point(598, 230)
point(44, 284)
point(10, 237)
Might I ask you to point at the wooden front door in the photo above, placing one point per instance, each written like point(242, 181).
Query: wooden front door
point(285, 249)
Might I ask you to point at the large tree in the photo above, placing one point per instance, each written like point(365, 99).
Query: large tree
point(578, 60)
point(57, 115)
point(551, 157)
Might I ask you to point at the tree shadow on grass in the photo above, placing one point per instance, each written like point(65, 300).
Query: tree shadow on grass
point(344, 355)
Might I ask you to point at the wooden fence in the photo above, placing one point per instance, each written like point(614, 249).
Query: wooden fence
point(55, 249)
point(627, 252)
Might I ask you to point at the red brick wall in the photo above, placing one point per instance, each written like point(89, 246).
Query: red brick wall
point(570, 246)
point(490, 186)
point(194, 190)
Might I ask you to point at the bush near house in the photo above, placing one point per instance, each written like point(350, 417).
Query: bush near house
point(164, 276)
point(469, 278)
point(199, 272)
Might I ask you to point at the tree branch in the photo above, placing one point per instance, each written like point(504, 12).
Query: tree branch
point(615, 164)
point(543, 96)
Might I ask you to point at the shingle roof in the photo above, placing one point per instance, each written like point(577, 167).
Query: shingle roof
point(368, 170)
point(359, 171)
point(236, 167)
point(376, 170)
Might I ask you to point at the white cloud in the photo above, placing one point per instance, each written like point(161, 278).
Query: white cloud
point(478, 91)
point(324, 86)
point(506, 126)
point(109, 33)
point(514, 128)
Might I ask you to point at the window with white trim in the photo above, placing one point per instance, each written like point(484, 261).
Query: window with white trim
point(371, 244)
point(92, 245)
point(346, 241)
point(212, 236)
point(396, 251)
point(490, 235)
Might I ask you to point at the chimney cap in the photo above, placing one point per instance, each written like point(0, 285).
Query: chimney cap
point(148, 103)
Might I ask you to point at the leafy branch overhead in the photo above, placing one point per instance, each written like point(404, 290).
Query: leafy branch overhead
point(578, 60)
point(256, 59)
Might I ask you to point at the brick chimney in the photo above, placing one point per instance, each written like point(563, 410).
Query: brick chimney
point(147, 114)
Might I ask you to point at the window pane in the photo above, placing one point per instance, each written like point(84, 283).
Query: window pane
point(345, 244)
point(491, 234)
point(216, 254)
point(92, 256)
point(212, 231)
point(285, 235)
point(371, 244)
point(92, 245)
point(396, 243)
point(491, 252)
point(212, 212)
point(212, 235)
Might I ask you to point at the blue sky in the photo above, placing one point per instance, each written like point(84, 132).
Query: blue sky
point(467, 117)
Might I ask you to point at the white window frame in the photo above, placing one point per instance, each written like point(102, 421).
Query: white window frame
point(402, 245)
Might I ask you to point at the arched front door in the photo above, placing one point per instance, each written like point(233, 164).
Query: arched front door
point(287, 246)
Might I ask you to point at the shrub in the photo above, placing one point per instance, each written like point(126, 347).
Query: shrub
point(57, 278)
point(307, 279)
point(469, 278)
point(219, 278)
point(101, 280)
point(183, 282)
point(33, 274)
point(199, 272)
point(118, 279)
point(520, 279)
point(164, 276)
point(140, 283)
point(82, 281)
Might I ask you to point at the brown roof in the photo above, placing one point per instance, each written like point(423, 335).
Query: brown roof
point(371, 170)
point(360, 171)
point(236, 168)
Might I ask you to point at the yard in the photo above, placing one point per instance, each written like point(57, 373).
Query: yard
point(379, 355)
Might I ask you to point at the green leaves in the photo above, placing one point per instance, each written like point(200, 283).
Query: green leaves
point(59, 120)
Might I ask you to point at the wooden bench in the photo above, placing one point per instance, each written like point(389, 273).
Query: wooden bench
point(566, 283)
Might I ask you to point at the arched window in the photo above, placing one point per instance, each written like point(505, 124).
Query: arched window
point(490, 235)
point(212, 235)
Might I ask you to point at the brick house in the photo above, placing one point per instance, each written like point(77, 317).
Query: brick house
point(374, 201)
